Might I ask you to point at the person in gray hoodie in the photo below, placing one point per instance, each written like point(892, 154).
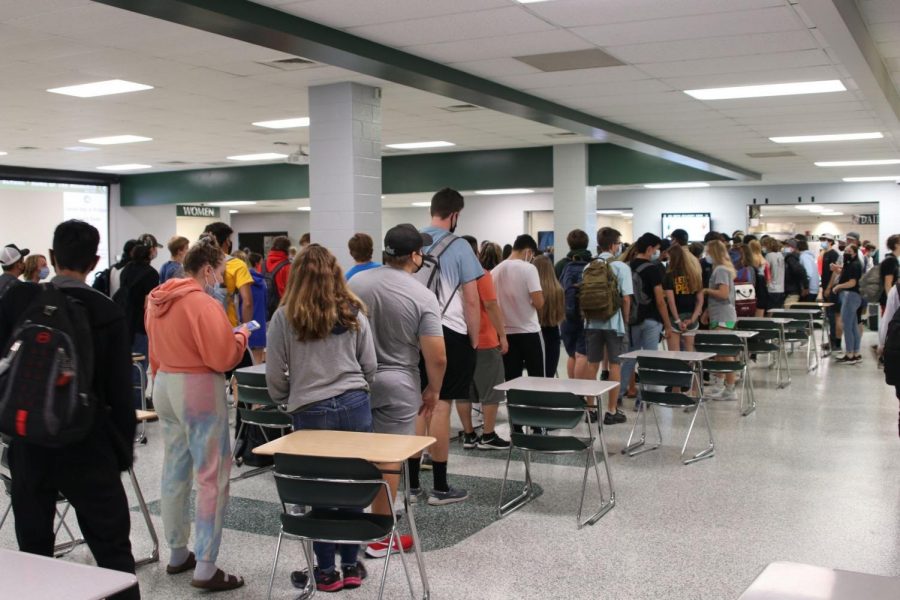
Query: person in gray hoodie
point(320, 361)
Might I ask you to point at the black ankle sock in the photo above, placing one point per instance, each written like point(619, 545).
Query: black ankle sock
point(412, 465)
point(440, 475)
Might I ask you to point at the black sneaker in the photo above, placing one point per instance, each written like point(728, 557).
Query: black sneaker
point(492, 442)
point(614, 419)
point(592, 417)
point(470, 440)
point(845, 359)
point(855, 360)
point(330, 582)
point(354, 575)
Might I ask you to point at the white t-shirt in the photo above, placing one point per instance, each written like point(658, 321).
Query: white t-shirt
point(515, 281)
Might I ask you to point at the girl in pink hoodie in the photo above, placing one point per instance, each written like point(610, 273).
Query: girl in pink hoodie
point(191, 345)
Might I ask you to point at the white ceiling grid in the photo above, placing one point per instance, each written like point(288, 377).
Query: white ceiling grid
point(210, 88)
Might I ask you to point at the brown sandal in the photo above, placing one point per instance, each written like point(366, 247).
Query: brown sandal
point(187, 565)
point(220, 582)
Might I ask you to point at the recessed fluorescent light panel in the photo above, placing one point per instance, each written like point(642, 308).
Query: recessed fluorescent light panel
point(115, 139)
point(101, 88)
point(858, 163)
point(879, 178)
point(125, 167)
point(832, 137)
point(3, 153)
point(304, 208)
point(233, 212)
point(419, 145)
point(609, 212)
point(284, 123)
point(80, 149)
point(260, 156)
point(832, 214)
point(530, 1)
point(421, 204)
point(681, 184)
point(504, 192)
point(233, 203)
point(775, 89)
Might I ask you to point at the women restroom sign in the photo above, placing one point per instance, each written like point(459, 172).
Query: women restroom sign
point(203, 212)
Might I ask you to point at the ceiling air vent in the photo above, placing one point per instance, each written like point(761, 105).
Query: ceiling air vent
point(175, 162)
point(561, 134)
point(26, 148)
point(777, 154)
point(455, 108)
point(570, 61)
point(290, 64)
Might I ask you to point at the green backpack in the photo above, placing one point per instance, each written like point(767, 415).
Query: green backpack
point(599, 295)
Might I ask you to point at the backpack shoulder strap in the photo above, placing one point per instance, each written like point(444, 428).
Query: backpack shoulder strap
point(643, 267)
point(439, 247)
point(279, 267)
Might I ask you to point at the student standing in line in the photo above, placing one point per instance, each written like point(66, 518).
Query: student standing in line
point(551, 314)
point(191, 345)
point(683, 286)
point(569, 271)
point(257, 343)
point(36, 268)
point(406, 321)
point(721, 312)
point(761, 268)
point(848, 290)
point(888, 269)
point(113, 279)
point(520, 296)
point(776, 272)
point(88, 472)
point(808, 259)
point(796, 282)
point(607, 338)
point(278, 263)
point(652, 318)
point(178, 247)
point(457, 294)
point(322, 337)
point(492, 345)
point(361, 248)
point(830, 259)
point(12, 260)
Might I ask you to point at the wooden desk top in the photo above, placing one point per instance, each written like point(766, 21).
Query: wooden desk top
point(29, 576)
point(811, 304)
point(674, 354)
point(146, 415)
point(374, 447)
point(795, 581)
point(579, 387)
point(741, 333)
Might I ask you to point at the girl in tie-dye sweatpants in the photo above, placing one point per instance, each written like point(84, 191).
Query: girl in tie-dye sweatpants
point(191, 344)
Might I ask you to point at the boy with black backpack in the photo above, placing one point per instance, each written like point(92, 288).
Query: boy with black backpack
point(569, 271)
point(71, 419)
point(604, 299)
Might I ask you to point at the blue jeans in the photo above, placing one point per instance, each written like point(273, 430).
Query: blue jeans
point(850, 303)
point(350, 411)
point(643, 336)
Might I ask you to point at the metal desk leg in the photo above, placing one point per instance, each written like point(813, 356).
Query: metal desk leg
point(812, 346)
point(141, 437)
point(605, 508)
point(826, 332)
point(783, 357)
point(154, 554)
point(417, 546)
point(751, 392)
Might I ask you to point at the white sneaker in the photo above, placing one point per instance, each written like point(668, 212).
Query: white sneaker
point(728, 393)
point(713, 391)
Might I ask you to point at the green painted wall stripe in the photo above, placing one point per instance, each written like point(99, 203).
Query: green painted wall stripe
point(608, 164)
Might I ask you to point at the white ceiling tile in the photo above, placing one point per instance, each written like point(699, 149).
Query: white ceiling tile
point(719, 47)
point(725, 24)
point(754, 78)
point(463, 26)
point(575, 13)
point(495, 67)
point(577, 77)
point(880, 11)
point(351, 13)
point(737, 64)
point(501, 46)
point(885, 32)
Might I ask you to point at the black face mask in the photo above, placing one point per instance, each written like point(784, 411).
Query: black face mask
point(454, 221)
point(420, 265)
point(849, 257)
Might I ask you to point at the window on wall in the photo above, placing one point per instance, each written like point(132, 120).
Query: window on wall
point(32, 209)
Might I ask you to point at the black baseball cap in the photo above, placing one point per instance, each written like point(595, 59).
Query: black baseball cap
point(404, 239)
point(149, 240)
point(680, 236)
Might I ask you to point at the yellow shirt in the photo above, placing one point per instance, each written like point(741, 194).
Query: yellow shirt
point(237, 275)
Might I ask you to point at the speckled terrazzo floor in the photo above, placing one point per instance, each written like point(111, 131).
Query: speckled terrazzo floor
point(813, 476)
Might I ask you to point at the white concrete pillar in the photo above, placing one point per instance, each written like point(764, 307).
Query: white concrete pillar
point(574, 201)
point(344, 165)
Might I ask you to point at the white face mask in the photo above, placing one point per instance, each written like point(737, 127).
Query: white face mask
point(655, 255)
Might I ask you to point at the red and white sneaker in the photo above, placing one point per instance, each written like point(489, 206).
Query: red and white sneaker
point(380, 549)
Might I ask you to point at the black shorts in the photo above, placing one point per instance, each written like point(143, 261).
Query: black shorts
point(461, 359)
point(572, 333)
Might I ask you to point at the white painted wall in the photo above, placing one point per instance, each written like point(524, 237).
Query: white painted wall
point(728, 205)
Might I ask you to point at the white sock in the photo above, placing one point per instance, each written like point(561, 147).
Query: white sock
point(177, 556)
point(204, 570)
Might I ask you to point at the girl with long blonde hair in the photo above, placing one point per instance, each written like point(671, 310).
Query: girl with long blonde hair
point(321, 336)
point(721, 313)
point(683, 288)
point(759, 283)
point(551, 313)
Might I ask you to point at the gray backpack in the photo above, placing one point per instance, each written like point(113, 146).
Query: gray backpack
point(430, 273)
point(870, 286)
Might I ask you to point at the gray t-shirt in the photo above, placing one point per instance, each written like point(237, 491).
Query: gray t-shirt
point(401, 310)
point(722, 310)
point(776, 269)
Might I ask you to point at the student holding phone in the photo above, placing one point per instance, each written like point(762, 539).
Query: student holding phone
point(192, 344)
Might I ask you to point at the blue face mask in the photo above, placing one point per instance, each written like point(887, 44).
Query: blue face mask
point(785, 251)
point(44, 272)
point(823, 245)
